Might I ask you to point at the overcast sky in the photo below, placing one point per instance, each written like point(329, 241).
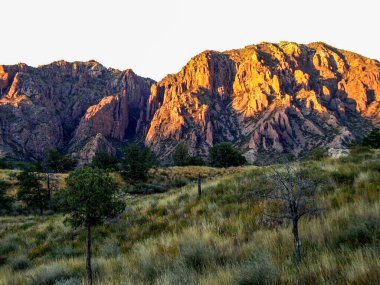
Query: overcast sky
point(158, 37)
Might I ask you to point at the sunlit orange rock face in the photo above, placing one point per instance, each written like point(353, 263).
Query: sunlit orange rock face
point(266, 98)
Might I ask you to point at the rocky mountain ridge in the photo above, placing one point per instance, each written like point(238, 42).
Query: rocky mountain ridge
point(265, 99)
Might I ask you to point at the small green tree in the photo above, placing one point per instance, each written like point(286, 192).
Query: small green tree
point(180, 155)
point(31, 191)
point(137, 162)
point(372, 140)
point(196, 160)
point(90, 197)
point(5, 201)
point(225, 155)
point(56, 162)
point(104, 160)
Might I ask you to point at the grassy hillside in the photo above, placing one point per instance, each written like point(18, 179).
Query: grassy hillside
point(176, 238)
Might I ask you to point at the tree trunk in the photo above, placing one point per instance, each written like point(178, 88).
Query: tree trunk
point(40, 202)
point(199, 186)
point(296, 242)
point(48, 187)
point(88, 253)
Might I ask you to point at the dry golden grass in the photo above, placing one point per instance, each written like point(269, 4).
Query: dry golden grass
point(176, 238)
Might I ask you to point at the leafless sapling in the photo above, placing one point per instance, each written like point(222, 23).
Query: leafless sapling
point(294, 192)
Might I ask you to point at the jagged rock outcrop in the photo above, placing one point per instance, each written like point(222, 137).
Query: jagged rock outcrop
point(64, 105)
point(266, 98)
point(94, 145)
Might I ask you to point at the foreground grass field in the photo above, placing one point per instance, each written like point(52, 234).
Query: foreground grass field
point(176, 238)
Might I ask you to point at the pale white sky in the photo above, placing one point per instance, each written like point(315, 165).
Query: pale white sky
point(157, 37)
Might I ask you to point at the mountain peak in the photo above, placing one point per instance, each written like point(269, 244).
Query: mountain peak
point(265, 98)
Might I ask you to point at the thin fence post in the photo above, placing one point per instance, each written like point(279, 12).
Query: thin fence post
point(199, 185)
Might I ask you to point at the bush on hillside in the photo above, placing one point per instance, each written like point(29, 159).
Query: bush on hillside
point(58, 163)
point(225, 155)
point(372, 140)
point(259, 269)
point(104, 160)
point(137, 162)
point(181, 157)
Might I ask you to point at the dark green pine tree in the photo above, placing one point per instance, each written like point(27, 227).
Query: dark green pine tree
point(31, 191)
point(137, 162)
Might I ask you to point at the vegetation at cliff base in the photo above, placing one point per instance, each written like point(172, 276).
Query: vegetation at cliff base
point(224, 238)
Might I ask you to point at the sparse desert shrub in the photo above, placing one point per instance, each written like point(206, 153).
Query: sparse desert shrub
point(39, 250)
point(66, 251)
point(19, 262)
point(151, 265)
point(359, 232)
point(259, 269)
point(70, 281)
point(50, 274)
point(364, 268)
point(343, 177)
point(200, 253)
point(144, 189)
point(316, 154)
point(180, 182)
point(8, 244)
point(178, 273)
point(110, 248)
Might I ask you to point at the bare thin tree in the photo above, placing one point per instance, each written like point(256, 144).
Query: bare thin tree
point(294, 193)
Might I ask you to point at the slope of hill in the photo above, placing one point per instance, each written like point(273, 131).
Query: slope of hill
point(266, 98)
point(176, 238)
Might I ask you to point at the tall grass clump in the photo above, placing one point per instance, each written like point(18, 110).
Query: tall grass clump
point(258, 269)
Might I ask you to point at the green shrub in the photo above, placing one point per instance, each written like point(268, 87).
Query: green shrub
point(372, 139)
point(39, 250)
point(180, 155)
point(317, 154)
point(137, 162)
point(343, 177)
point(359, 232)
point(197, 254)
point(66, 251)
point(151, 266)
point(225, 155)
point(144, 189)
point(8, 244)
point(180, 182)
point(104, 160)
point(110, 248)
point(259, 269)
point(196, 161)
point(19, 262)
point(50, 274)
